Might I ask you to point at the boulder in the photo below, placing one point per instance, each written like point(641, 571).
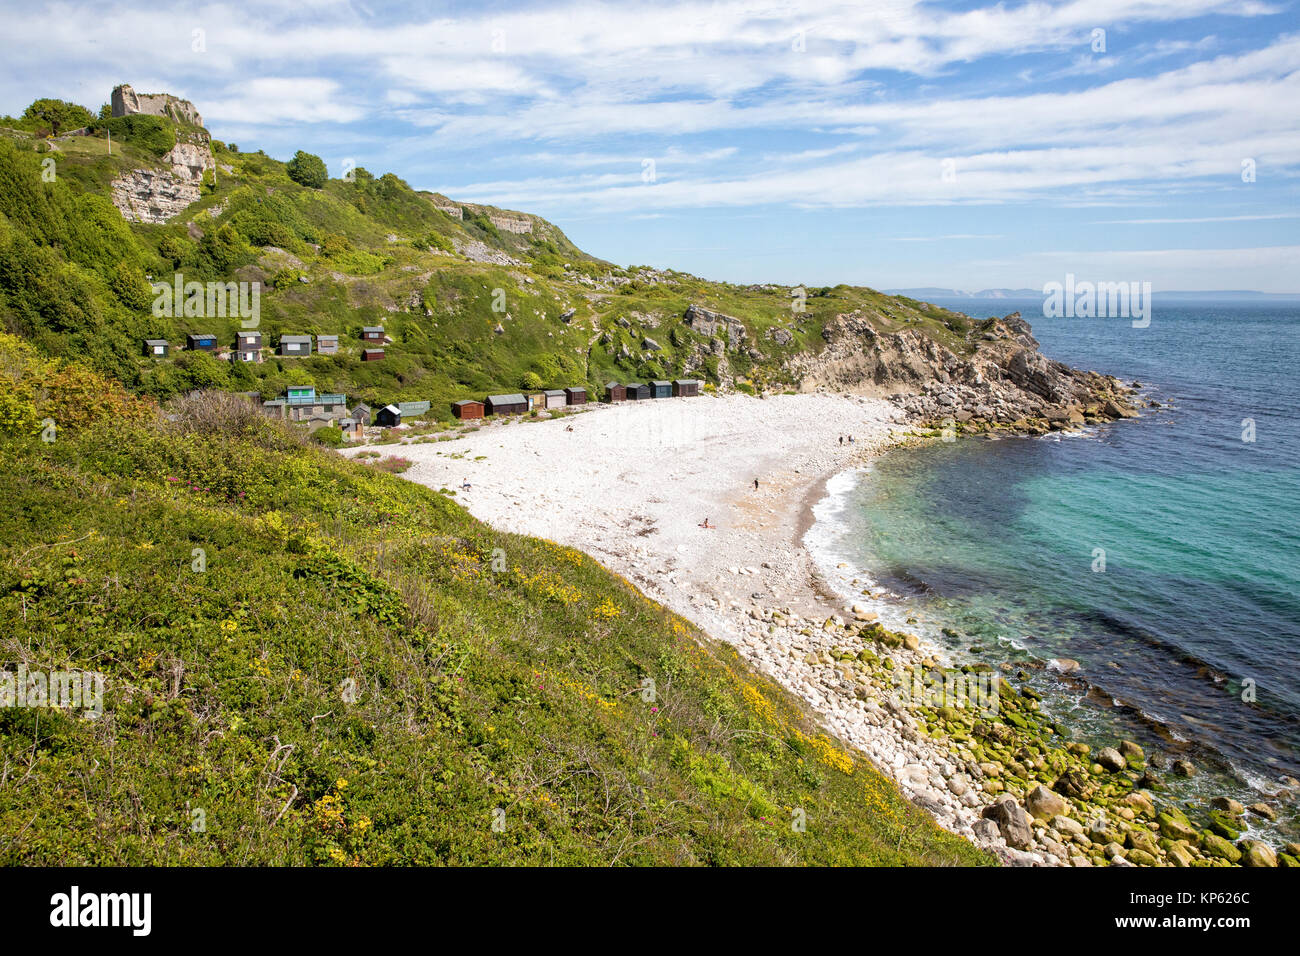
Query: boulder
point(1256, 853)
point(1043, 804)
point(1111, 759)
point(1067, 825)
point(1216, 846)
point(1012, 821)
point(1174, 828)
point(1228, 805)
point(1263, 810)
point(1132, 752)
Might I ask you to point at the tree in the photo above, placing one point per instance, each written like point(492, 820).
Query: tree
point(307, 169)
point(58, 115)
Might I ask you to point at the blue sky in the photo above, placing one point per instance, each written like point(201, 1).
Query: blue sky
point(891, 144)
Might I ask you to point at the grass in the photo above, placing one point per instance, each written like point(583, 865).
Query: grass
point(357, 672)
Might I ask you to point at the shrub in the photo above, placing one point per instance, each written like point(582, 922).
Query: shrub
point(328, 435)
point(57, 116)
point(307, 169)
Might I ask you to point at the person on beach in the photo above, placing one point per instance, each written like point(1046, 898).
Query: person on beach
point(464, 485)
point(841, 440)
point(706, 524)
point(756, 484)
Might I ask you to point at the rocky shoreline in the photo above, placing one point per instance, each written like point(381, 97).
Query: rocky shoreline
point(974, 749)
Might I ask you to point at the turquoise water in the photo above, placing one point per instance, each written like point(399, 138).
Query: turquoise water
point(998, 541)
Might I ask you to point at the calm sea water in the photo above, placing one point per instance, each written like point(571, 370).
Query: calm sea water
point(1200, 593)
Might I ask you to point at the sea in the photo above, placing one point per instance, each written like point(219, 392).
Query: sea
point(1161, 553)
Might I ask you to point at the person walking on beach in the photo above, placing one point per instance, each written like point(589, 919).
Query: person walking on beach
point(756, 484)
point(841, 440)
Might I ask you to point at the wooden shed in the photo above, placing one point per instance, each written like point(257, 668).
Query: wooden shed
point(636, 392)
point(576, 396)
point(372, 355)
point(295, 346)
point(327, 345)
point(362, 413)
point(202, 341)
point(536, 400)
point(248, 346)
point(555, 398)
point(388, 416)
point(514, 404)
point(661, 389)
point(352, 429)
point(615, 392)
point(686, 387)
point(467, 408)
point(372, 333)
point(158, 348)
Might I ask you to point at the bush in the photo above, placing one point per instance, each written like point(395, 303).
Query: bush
point(307, 169)
point(58, 116)
point(328, 435)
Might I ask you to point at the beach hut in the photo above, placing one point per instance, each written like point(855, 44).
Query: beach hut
point(686, 387)
point(295, 346)
point(513, 404)
point(201, 341)
point(467, 408)
point(373, 333)
point(352, 429)
point(555, 398)
point(536, 400)
point(615, 392)
point(248, 346)
point(388, 416)
point(301, 395)
point(362, 413)
point(327, 345)
point(413, 409)
point(661, 389)
point(158, 348)
point(636, 392)
point(576, 396)
point(372, 355)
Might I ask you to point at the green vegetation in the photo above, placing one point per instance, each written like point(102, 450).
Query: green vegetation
point(334, 255)
point(309, 661)
point(307, 169)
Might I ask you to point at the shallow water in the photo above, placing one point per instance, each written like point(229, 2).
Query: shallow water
point(1163, 554)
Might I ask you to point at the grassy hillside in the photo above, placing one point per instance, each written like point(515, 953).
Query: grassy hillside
point(372, 251)
point(358, 672)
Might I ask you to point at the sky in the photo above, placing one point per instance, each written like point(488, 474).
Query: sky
point(893, 144)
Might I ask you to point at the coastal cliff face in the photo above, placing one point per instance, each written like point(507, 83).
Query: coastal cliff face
point(126, 101)
point(160, 195)
point(998, 379)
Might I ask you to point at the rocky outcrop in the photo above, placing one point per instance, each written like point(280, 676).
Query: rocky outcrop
point(153, 195)
point(159, 195)
point(709, 323)
point(126, 101)
point(997, 378)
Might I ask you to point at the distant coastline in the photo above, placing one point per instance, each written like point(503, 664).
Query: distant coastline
point(926, 293)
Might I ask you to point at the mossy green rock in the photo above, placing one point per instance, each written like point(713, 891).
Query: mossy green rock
point(1256, 853)
point(1224, 825)
point(1219, 848)
point(1141, 858)
point(1174, 828)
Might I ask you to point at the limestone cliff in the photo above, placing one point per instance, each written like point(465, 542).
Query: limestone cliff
point(998, 379)
point(126, 101)
point(158, 195)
